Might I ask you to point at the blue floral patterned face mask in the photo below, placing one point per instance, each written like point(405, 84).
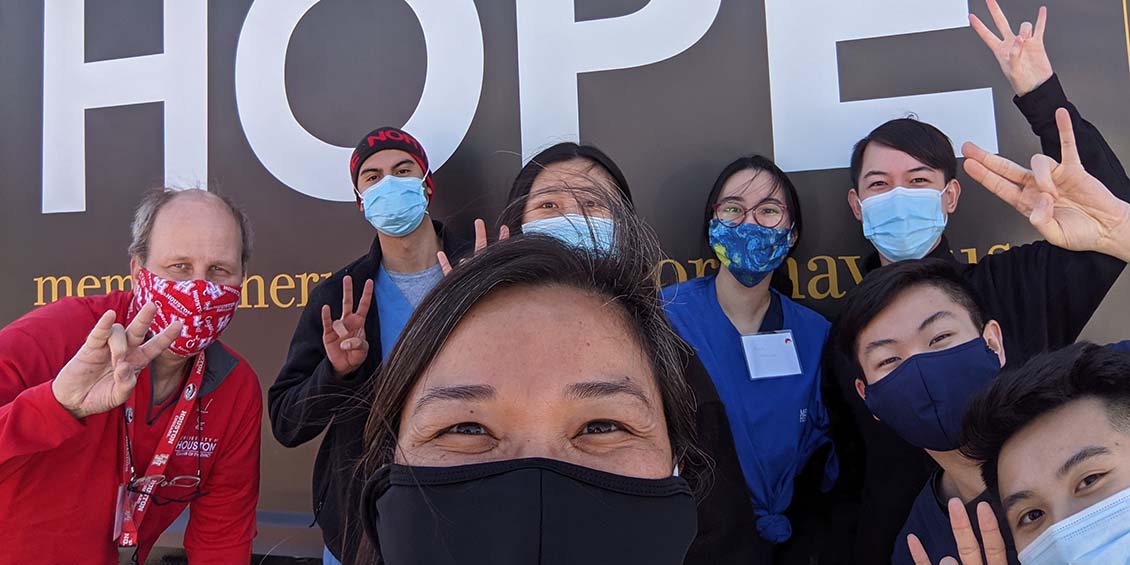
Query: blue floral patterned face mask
point(749, 251)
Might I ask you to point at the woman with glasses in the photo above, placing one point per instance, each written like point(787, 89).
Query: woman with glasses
point(756, 372)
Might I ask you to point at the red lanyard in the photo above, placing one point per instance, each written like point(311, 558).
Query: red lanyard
point(131, 512)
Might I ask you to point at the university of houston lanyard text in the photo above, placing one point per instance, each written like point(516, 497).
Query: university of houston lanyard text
point(130, 512)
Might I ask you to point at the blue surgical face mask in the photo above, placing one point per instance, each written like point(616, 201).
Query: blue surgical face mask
point(590, 233)
point(904, 223)
point(1097, 534)
point(395, 205)
point(924, 399)
point(749, 251)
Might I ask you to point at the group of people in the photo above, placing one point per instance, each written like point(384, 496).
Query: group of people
point(539, 398)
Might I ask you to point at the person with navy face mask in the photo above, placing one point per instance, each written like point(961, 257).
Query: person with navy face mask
point(341, 338)
point(924, 348)
point(756, 372)
point(904, 190)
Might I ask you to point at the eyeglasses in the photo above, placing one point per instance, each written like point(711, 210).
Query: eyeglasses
point(766, 214)
point(181, 481)
point(135, 486)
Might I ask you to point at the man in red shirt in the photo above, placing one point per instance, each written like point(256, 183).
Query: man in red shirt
point(118, 411)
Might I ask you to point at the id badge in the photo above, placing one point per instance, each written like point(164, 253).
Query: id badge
point(125, 532)
point(771, 354)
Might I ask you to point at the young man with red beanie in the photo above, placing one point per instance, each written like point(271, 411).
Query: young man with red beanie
point(340, 339)
point(119, 411)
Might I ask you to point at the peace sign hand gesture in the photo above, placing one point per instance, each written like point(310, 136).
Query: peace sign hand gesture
point(1069, 207)
point(967, 547)
point(102, 375)
point(480, 244)
point(344, 339)
point(1022, 56)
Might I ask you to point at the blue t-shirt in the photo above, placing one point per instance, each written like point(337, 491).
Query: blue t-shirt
point(929, 519)
point(777, 423)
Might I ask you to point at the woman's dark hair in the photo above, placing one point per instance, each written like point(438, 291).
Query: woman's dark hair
point(1017, 397)
point(882, 287)
point(920, 140)
point(624, 277)
point(761, 165)
point(566, 151)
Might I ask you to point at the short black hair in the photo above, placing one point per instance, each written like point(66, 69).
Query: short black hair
point(918, 139)
point(883, 286)
point(1045, 383)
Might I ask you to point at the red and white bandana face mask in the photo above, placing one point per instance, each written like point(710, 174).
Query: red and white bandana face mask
point(205, 308)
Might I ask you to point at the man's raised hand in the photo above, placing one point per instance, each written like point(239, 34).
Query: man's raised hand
point(1069, 207)
point(102, 375)
point(1022, 56)
point(344, 338)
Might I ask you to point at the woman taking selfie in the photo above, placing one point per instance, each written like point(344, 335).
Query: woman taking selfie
point(534, 412)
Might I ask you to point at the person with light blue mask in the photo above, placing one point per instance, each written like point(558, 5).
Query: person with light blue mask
point(756, 374)
point(564, 192)
point(342, 337)
point(905, 190)
point(1053, 442)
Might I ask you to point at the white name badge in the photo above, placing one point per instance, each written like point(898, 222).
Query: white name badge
point(771, 354)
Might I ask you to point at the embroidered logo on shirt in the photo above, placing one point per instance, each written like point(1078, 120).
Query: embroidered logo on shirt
point(195, 446)
point(803, 415)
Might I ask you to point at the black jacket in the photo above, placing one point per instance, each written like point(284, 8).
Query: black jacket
point(1042, 295)
point(308, 396)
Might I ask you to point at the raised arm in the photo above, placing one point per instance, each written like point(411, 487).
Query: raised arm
point(1024, 62)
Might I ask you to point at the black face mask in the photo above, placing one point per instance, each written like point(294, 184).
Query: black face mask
point(526, 512)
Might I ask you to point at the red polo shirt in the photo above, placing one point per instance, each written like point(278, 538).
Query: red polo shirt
point(59, 475)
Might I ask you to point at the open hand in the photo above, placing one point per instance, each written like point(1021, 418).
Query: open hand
point(344, 338)
point(102, 375)
point(968, 550)
point(1069, 207)
point(480, 243)
point(1022, 56)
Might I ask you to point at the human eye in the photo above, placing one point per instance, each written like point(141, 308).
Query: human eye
point(877, 184)
point(548, 205)
point(920, 180)
point(940, 338)
point(1029, 517)
point(602, 427)
point(467, 428)
point(403, 172)
point(888, 362)
point(1089, 481)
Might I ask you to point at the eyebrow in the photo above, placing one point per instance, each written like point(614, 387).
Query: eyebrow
point(1015, 498)
point(877, 344)
point(392, 168)
point(1079, 457)
point(914, 170)
point(934, 318)
point(459, 392)
point(604, 389)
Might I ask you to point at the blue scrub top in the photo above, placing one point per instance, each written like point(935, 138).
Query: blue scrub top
point(394, 308)
point(777, 423)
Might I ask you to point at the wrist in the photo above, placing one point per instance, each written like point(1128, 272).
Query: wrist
point(1118, 242)
point(59, 397)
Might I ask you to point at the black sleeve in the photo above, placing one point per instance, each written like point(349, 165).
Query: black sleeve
point(1039, 108)
point(308, 393)
point(1043, 295)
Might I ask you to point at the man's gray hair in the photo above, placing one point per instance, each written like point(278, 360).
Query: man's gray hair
point(157, 198)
